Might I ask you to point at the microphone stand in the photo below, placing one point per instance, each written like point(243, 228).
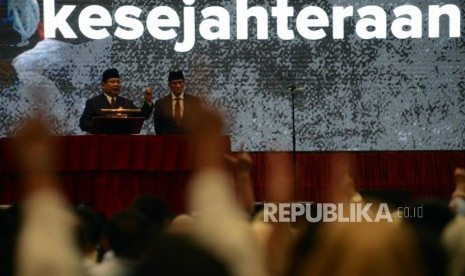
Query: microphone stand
point(292, 89)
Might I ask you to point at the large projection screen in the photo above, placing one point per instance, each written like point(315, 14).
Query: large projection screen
point(369, 75)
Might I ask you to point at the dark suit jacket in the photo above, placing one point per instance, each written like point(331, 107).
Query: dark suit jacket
point(163, 115)
point(96, 103)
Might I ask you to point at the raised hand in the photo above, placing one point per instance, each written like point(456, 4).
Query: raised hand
point(148, 95)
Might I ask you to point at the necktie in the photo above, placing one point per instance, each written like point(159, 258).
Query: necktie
point(113, 103)
point(177, 110)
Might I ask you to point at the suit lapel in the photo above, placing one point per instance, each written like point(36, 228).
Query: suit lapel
point(104, 101)
point(168, 107)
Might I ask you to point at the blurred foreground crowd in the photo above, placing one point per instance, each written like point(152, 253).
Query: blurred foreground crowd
point(222, 233)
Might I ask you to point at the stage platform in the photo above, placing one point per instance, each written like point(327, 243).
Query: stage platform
point(108, 171)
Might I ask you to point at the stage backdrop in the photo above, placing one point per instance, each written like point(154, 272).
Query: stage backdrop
point(369, 75)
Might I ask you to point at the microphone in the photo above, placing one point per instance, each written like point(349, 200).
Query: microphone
point(292, 88)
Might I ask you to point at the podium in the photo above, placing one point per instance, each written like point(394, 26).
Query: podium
point(118, 121)
point(117, 125)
